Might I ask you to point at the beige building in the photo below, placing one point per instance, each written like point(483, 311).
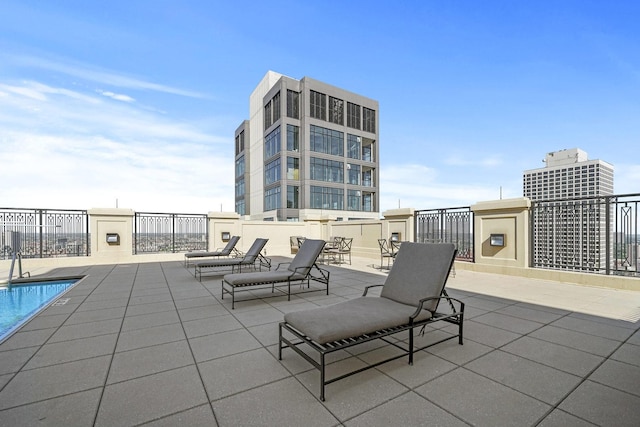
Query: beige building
point(308, 150)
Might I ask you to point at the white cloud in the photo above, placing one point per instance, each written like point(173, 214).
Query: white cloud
point(66, 149)
point(117, 97)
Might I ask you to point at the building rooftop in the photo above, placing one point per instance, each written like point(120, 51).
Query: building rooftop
point(148, 344)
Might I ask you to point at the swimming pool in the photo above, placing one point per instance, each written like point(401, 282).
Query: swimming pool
point(21, 301)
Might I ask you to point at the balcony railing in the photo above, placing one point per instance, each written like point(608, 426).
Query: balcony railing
point(450, 225)
point(44, 233)
point(595, 234)
point(162, 232)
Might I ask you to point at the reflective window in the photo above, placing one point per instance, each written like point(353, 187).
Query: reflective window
point(326, 170)
point(327, 198)
point(293, 104)
point(318, 105)
point(293, 138)
point(353, 146)
point(272, 143)
point(326, 141)
point(272, 199)
point(336, 110)
point(272, 172)
point(353, 115)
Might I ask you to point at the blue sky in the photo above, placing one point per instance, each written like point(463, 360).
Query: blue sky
point(138, 101)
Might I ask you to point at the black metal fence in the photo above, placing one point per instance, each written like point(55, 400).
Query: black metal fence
point(44, 233)
point(163, 232)
point(595, 234)
point(450, 225)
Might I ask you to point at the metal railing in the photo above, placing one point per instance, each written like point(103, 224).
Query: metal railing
point(44, 233)
point(450, 225)
point(594, 234)
point(165, 232)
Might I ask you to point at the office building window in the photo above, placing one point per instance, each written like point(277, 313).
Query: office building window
point(327, 198)
point(326, 170)
point(318, 105)
point(293, 168)
point(240, 207)
point(272, 143)
point(293, 104)
point(336, 110)
point(272, 172)
point(368, 120)
point(293, 193)
point(240, 188)
point(353, 146)
point(240, 166)
point(354, 174)
point(240, 143)
point(267, 116)
point(353, 115)
point(293, 138)
point(276, 107)
point(367, 202)
point(272, 199)
point(367, 178)
point(354, 200)
point(328, 141)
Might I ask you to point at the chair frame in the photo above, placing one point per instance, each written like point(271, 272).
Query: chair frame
point(456, 317)
point(257, 263)
point(385, 252)
point(229, 249)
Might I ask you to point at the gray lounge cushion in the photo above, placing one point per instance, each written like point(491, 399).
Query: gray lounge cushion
point(351, 318)
point(306, 256)
point(224, 252)
point(249, 257)
point(275, 276)
point(419, 271)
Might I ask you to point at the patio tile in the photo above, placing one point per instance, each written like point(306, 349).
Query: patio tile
point(148, 398)
point(68, 351)
point(529, 313)
point(86, 330)
point(4, 379)
point(45, 322)
point(628, 353)
point(207, 301)
point(557, 356)
point(509, 323)
point(202, 312)
point(100, 305)
point(95, 315)
point(210, 325)
point(484, 334)
point(23, 339)
point(484, 304)
point(603, 405)
point(156, 307)
point(409, 409)
point(259, 316)
point(149, 360)
point(578, 340)
point(618, 375)
point(147, 337)
point(482, 402)
point(459, 354)
point(266, 334)
point(240, 372)
point(531, 378)
point(635, 338)
point(223, 344)
point(152, 298)
point(594, 328)
point(54, 381)
point(269, 406)
point(559, 418)
point(194, 417)
point(425, 368)
point(78, 409)
point(13, 360)
point(149, 320)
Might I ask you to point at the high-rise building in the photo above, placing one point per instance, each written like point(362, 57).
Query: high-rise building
point(309, 149)
point(568, 174)
point(569, 219)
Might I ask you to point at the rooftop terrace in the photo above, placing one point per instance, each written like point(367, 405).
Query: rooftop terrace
point(148, 344)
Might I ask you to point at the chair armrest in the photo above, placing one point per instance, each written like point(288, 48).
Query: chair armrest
point(281, 264)
point(449, 300)
point(366, 289)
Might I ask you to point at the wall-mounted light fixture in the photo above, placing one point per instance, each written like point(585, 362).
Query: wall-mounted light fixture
point(113, 238)
point(496, 240)
point(226, 236)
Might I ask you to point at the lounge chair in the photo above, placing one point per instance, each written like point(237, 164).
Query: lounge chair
point(408, 300)
point(253, 258)
point(218, 253)
point(302, 269)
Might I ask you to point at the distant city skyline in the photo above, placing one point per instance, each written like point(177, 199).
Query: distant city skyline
point(135, 104)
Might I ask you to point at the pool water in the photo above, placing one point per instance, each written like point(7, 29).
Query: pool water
point(20, 302)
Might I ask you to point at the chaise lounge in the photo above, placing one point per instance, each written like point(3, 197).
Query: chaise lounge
point(408, 300)
point(253, 258)
point(224, 252)
point(302, 269)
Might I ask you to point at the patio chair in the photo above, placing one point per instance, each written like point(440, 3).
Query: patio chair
point(224, 252)
point(252, 258)
point(385, 252)
point(302, 269)
point(340, 249)
point(408, 300)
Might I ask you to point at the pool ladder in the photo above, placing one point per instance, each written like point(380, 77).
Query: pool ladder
point(17, 256)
